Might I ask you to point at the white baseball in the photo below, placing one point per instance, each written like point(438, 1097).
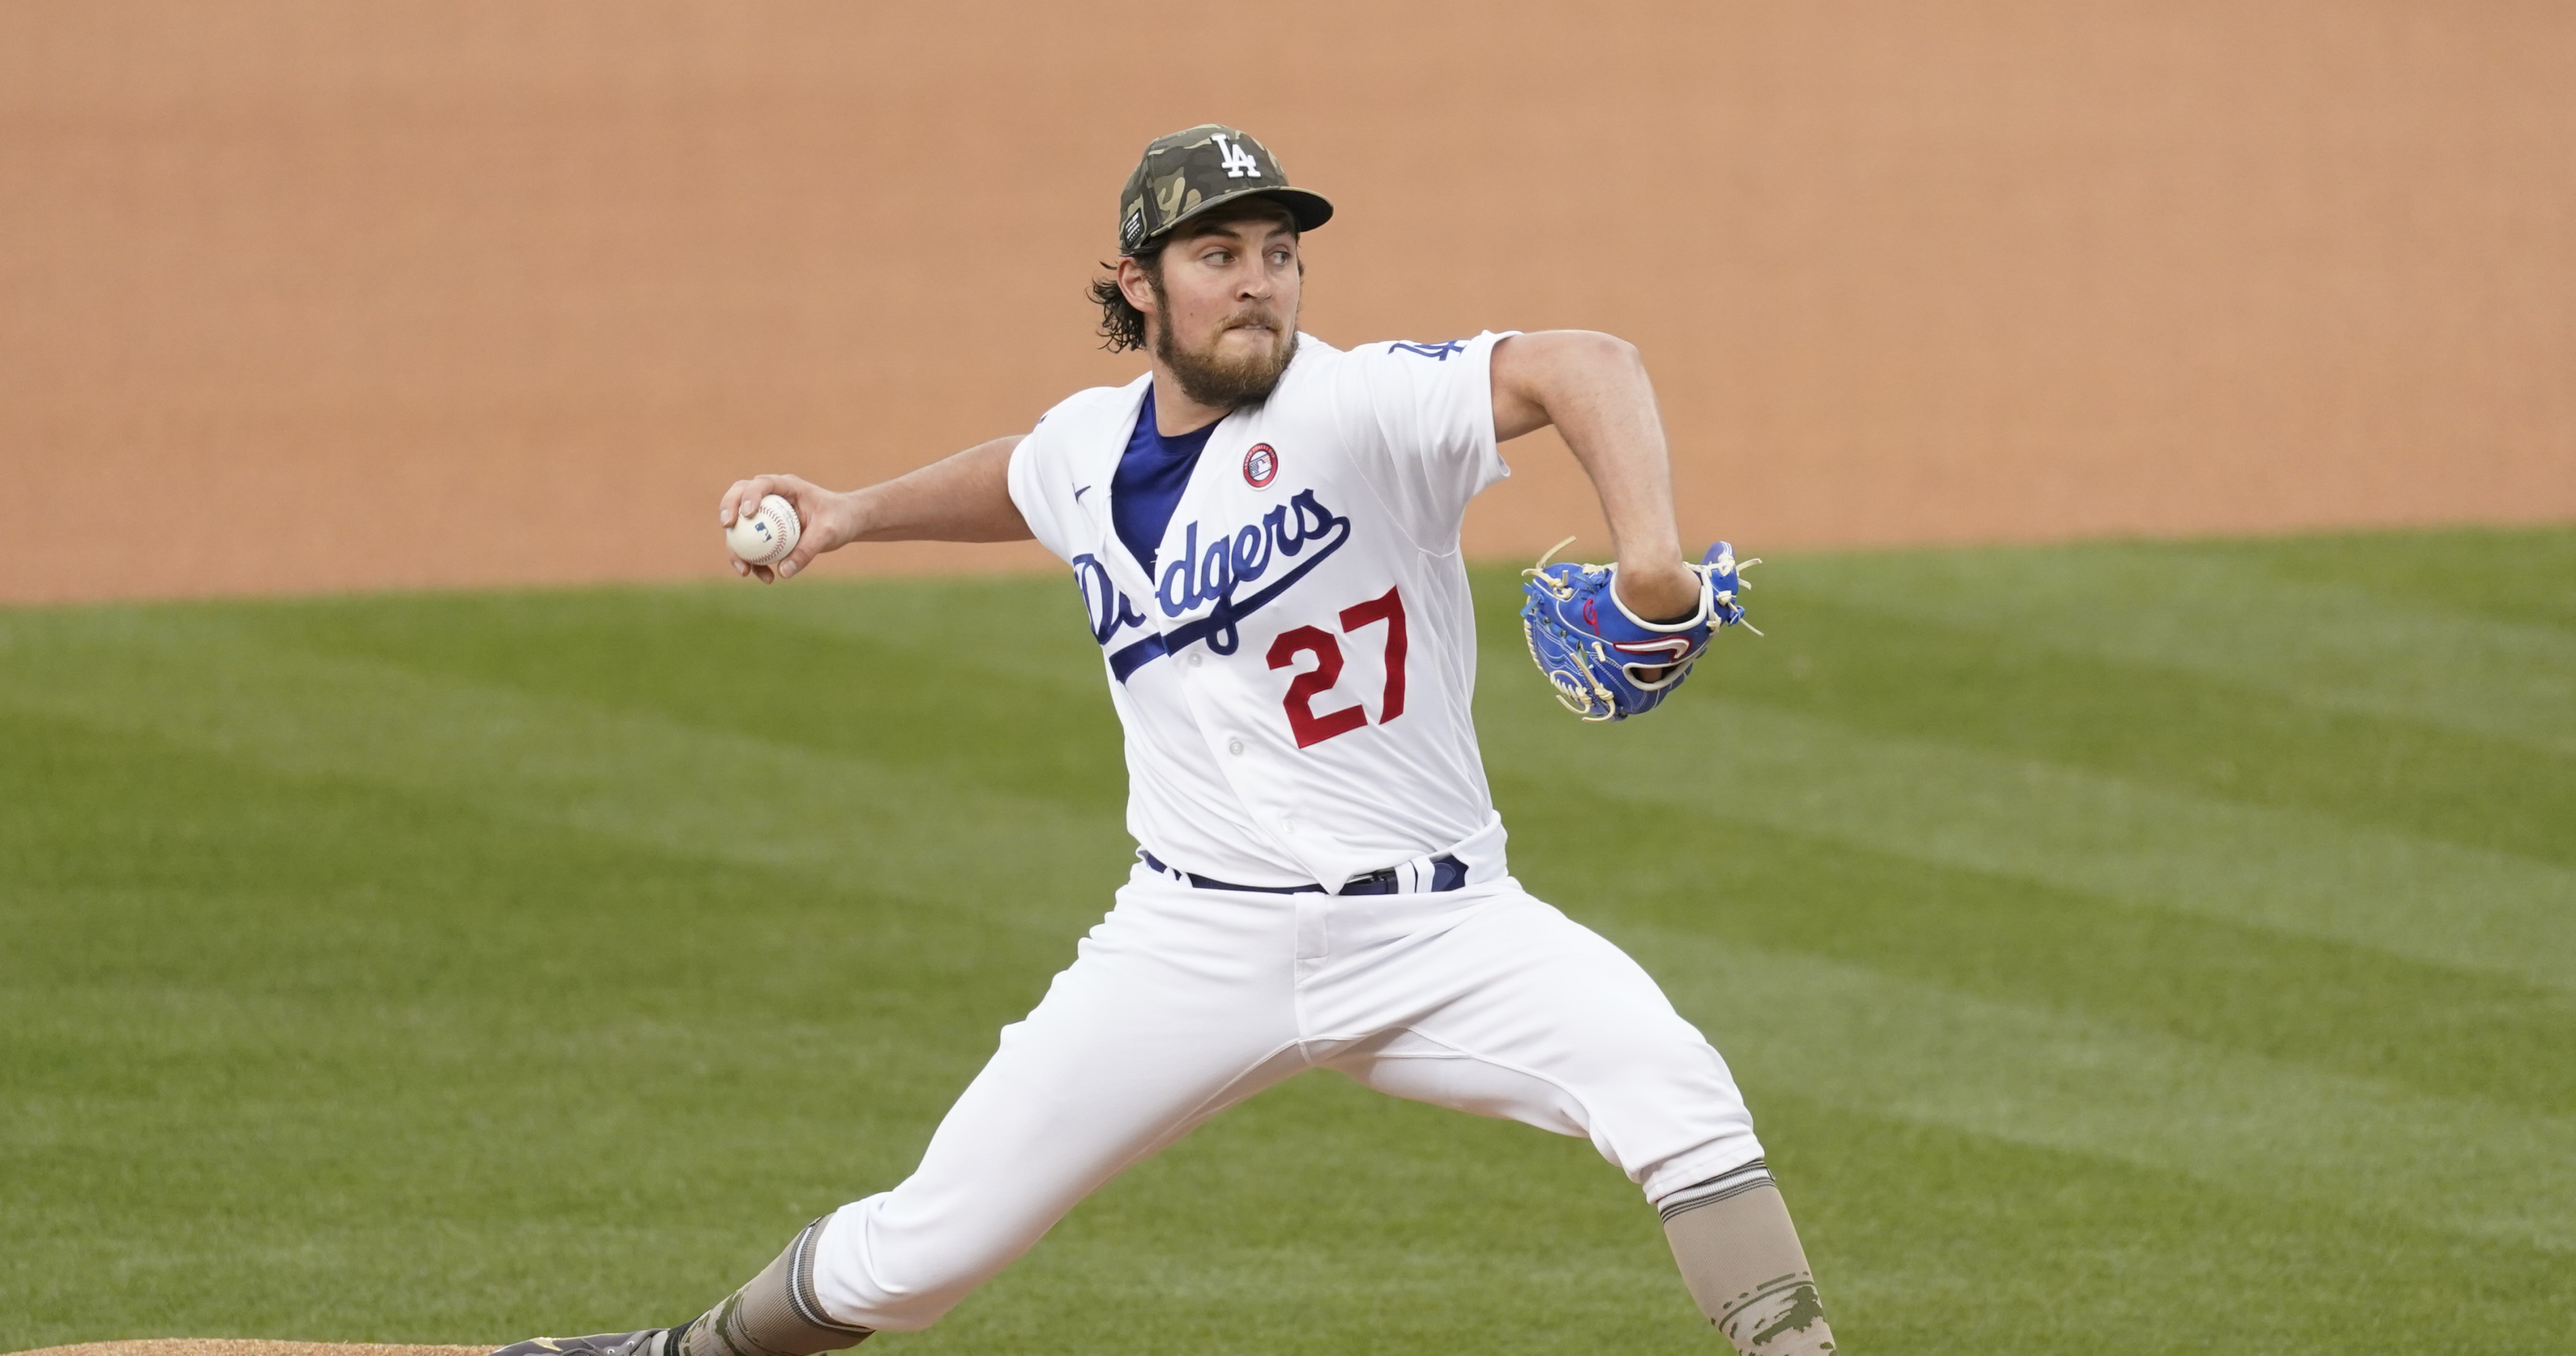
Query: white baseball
point(765, 535)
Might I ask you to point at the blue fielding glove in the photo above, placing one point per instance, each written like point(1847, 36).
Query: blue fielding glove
point(1605, 662)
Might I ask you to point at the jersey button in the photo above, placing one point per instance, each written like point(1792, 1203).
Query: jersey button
point(1195, 657)
point(1234, 746)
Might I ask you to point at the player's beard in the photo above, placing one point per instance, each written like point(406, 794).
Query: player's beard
point(1224, 381)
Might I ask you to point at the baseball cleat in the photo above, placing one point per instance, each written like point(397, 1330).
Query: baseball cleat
point(649, 1342)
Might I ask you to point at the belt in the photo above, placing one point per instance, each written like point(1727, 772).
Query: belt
point(1447, 873)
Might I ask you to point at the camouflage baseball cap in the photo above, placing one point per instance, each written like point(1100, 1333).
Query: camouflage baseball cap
point(1189, 172)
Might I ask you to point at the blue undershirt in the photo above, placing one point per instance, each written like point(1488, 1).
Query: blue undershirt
point(1147, 486)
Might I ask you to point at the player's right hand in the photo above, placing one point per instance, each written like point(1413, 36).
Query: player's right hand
point(823, 521)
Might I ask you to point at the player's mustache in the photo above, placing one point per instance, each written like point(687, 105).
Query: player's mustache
point(1261, 317)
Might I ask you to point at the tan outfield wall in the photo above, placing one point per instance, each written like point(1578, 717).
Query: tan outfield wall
point(333, 295)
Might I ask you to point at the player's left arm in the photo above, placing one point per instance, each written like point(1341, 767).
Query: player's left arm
point(1593, 388)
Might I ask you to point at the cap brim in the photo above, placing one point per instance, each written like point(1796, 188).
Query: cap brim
point(1308, 210)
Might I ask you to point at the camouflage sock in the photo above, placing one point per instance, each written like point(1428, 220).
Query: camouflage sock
point(776, 1314)
point(1740, 1257)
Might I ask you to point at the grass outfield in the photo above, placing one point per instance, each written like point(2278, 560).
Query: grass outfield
point(2124, 949)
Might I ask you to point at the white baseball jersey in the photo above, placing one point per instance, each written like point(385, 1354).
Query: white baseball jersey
point(1295, 679)
point(1294, 684)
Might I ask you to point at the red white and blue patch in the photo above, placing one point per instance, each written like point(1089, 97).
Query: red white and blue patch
point(1260, 466)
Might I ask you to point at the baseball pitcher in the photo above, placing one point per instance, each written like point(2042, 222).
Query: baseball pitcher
point(1264, 531)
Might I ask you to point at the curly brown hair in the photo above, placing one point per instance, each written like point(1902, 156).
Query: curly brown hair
point(1122, 326)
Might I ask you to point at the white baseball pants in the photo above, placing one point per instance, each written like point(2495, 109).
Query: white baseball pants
point(1185, 1001)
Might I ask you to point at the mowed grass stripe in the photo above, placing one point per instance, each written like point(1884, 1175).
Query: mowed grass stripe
point(1872, 1042)
point(474, 938)
point(2295, 872)
point(2352, 1010)
point(1945, 1240)
point(914, 831)
point(848, 673)
point(319, 1052)
point(2019, 694)
point(1929, 1239)
point(1027, 633)
point(2344, 646)
point(2520, 575)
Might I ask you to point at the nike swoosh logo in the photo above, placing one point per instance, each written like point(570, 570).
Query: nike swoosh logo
point(548, 1343)
point(1079, 492)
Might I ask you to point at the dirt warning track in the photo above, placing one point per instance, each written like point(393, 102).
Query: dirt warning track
point(429, 293)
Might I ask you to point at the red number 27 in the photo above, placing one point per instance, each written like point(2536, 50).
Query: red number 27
point(1311, 728)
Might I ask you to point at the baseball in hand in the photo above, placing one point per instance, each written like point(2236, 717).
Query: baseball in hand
point(764, 535)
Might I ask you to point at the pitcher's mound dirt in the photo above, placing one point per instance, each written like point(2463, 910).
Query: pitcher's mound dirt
point(235, 1346)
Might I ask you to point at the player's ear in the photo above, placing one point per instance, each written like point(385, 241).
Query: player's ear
point(1137, 284)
